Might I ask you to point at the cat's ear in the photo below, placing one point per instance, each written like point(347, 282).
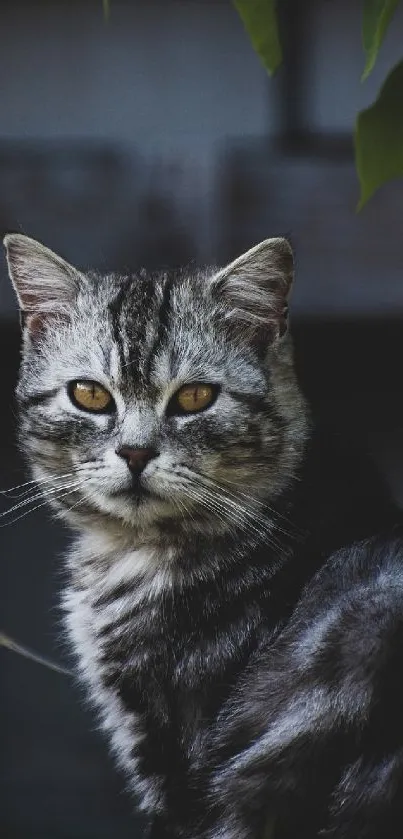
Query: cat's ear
point(254, 290)
point(44, 283)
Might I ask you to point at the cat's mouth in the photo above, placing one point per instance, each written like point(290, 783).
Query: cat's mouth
point(135, 491)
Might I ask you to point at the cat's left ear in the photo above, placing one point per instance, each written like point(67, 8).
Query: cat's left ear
point(254, 290)
point(44, 283)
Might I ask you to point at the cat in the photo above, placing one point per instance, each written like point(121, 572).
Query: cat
point(237, 630)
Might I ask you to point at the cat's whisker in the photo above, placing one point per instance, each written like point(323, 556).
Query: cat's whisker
point(230, 512)
point(208, 505)
point(38, 506)
point(183, 509)
point(262, 505)
point(267, 524)
point(292, 528)
point(244, 517)
point(50, 493)
point(29, 484)
point(219, 502)
point(76, 504)
point(236, 498)
point(254, 499)
point(233, 501)
point(228, 515)
point(208, 481)
point(34, 497)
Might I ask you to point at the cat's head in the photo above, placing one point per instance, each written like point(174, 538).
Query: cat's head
point(166, 401)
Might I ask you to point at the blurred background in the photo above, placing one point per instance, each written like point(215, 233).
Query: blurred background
point(156, 138)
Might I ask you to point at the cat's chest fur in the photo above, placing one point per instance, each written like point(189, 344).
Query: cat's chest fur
point(156, 665)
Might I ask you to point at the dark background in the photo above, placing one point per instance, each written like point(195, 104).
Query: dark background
point(158, 139)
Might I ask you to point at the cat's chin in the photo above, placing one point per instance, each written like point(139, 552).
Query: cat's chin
point(136, 496)
point(139, 510)
point(148, 519)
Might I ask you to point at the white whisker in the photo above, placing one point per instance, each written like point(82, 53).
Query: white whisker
point(254, 512)
point(203, 503)
point(264, 504)
point(72, 488)
point(243, 516)
point(35, 497)
point(34, 481)
point(215, 506)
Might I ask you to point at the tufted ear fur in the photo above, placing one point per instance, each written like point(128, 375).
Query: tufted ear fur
point(44, 283)
point(254, 289)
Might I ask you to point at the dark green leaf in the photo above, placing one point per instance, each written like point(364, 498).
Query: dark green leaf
point(379, 137)
point(260, 21)
point(376, 17)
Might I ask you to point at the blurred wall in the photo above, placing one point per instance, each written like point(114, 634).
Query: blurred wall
point(152, 138)
point(121, 120)
point(165, 77)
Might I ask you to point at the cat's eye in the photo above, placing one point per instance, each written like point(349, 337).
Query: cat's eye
point(192, 398)
point(90, 396)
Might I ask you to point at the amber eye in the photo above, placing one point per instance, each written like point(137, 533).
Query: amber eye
point(90, 396)
point(192, 398)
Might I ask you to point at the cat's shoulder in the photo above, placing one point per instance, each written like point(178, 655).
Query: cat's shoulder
point(350, 617)
point(377, 559)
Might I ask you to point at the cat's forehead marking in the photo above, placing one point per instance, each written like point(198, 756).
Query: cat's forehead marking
point(163, 317)
point(164, 332)
point(136, 313)
point(159, 331)
point(185, 345)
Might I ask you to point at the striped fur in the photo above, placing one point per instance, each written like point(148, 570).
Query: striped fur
point(185, 601)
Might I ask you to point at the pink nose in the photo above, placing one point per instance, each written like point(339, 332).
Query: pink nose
point(136, 459)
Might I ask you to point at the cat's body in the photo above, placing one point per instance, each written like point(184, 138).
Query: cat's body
point(209, 646)
point(164, 652)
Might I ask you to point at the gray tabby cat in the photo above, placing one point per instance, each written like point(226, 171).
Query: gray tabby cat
point(162, 419)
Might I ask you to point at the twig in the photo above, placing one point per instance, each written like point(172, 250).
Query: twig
point(10, 644)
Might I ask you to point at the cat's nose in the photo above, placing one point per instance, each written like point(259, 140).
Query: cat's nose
point(136, 459)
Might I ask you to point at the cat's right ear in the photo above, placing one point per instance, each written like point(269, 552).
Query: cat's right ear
point(253, 291)
point(44, 283)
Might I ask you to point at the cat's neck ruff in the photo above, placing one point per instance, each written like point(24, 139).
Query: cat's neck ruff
point(116, 557)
